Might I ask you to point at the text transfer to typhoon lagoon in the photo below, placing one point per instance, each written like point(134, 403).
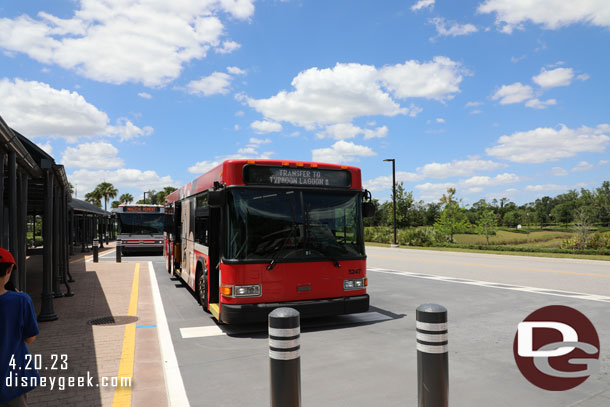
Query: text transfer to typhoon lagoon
point(251, 236)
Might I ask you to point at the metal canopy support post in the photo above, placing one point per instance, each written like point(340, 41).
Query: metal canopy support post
point(56, 243)
point(22, 211)
point(47, 313)
point(100, 228)
point(2, 157)
point(13, 237)
point(82, 232)
point(66, 244)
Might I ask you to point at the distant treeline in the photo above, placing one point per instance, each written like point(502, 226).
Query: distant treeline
point(589, 206)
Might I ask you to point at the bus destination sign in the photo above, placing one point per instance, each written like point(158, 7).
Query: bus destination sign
point(141, 209)
point(303, 177)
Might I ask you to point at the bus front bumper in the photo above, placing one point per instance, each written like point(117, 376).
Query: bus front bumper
point(248, 313)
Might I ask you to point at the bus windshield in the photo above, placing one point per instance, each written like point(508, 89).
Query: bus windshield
point(141, 223)
point(275, 224)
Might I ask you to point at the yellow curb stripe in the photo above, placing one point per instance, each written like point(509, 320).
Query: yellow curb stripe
point(495, 266)
point(122, 395)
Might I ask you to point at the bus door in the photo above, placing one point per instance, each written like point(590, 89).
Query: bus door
point(214, 253)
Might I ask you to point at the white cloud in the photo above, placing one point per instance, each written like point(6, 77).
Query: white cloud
point(429, 191)
point(258, 141)
point(551, 14)
point(97, 156)
point(324, 96)
point(438, 79)
point(553, 78)
point(473, 104)
point(86, 180)
point(457, 168)
point(385, 181)
point(202, 167)
point(514, 93)
point(546, 188)
point(126, 130)
point(440, 120)
point(119, 41)
point(454, 29)
point(583, 166)
point(548, 144)
point(265, 126)
point(36, 109)
point(484, 181)
point(46, 147)
point(559, 172)
point(422, 4)
point(342, 131)
point(540, 104)
point(341, 152)
point(228, 47)
point(583, 77)
point(145, 95)
point(235, 70)
point(214, 84)
point(346, 91)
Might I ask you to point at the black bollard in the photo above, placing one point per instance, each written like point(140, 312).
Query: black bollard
point(432, 356)
point(118, 251)
point(95, 250)
point(284, 357)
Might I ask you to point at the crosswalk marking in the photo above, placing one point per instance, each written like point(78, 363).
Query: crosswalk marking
point(201, 332)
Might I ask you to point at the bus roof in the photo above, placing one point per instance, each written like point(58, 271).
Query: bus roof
point(229, 173)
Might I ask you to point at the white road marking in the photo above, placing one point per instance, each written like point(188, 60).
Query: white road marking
point(502, 286)
point(201, 332)
point(174, 386)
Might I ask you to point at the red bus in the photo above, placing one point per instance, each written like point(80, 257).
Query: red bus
point(249, 236)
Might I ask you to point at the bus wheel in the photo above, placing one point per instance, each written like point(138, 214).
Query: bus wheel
point(202, 288)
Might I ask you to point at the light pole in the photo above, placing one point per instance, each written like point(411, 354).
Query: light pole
point(395, 244)
point(144, 198)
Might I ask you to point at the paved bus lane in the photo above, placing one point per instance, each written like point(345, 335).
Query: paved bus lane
point(370, 359)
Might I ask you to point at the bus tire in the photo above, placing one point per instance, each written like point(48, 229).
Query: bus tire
point(202, 287)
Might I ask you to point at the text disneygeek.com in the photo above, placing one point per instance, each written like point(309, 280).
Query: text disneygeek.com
point(63, 382)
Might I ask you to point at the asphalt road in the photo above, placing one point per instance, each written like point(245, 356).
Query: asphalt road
point(370, 359)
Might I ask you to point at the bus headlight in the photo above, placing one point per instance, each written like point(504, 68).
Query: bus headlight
point(354, 284)
point(247, 290)
point(241, 291)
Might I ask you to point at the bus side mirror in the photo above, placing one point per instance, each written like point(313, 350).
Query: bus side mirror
point(368, 209)
point(217, 198)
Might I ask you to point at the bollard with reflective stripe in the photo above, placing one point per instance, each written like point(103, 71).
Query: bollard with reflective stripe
point(118, 251)
point(432, 356)
point(284, 357)
point(95, 250)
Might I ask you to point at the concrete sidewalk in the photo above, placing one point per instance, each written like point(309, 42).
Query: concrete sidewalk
point(73, 347)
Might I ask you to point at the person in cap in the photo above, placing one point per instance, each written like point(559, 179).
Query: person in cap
point(18, 327)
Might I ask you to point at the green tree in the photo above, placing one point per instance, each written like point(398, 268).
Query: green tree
point(512, 218)
point(115, 204)
point(94, 197)
point(453, 219)
point(601, 203)
point(543, 207)
point(404, 202)
point(107, 191)
point(126, 198)
point(487, 224)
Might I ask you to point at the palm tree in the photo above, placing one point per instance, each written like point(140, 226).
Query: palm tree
point(107, 191)
point(126, 198)
point(94, 197)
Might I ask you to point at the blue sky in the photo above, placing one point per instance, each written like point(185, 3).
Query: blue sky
point(498, 98)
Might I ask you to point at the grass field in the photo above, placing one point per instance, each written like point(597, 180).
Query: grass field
point(549, 239)
point(529, 254)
